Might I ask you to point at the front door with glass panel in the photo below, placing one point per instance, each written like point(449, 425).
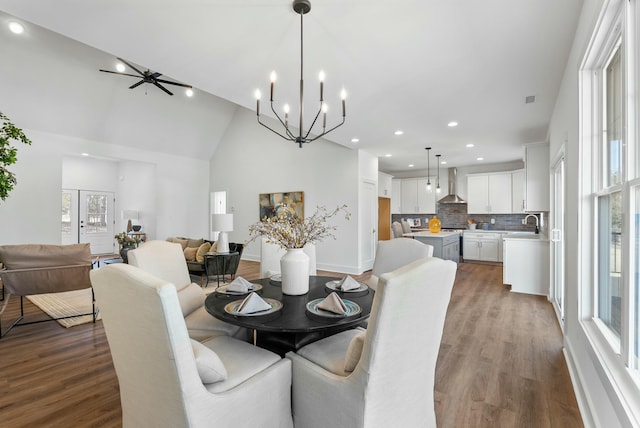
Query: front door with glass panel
point(88, 216)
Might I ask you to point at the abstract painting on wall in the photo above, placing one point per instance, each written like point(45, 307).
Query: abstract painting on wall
point(272, 204)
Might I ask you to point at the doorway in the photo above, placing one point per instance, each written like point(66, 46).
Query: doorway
point(557, 238)
point(88, 216)
point(384, 219)
point(369, 236)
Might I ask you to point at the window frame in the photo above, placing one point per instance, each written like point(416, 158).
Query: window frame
point(618, 19)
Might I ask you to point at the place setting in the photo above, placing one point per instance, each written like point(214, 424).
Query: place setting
point(253, 306)
point(332, 306)
point(348, 285)
point(238, 287)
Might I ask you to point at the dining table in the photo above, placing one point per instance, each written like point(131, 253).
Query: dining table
point(294, 321)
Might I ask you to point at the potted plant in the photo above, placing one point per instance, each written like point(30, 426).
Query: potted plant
point(8, 154)
point(292, 233)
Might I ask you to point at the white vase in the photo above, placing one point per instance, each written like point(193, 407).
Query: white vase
point(294, 268)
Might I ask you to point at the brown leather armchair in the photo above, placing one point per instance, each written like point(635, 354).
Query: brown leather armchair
point(41, 269)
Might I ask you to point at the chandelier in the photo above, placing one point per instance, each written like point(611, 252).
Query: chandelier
point(301, 7)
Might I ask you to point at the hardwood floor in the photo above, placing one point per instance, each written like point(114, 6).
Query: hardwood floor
point(500, 364)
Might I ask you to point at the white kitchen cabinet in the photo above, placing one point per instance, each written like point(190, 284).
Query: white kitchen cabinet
point(526, 264)
point(517, 191)
point(384, 185)
point(489, 193)
point(536, 161)
point(396, 196)
point(482, 246)
point(415, 197)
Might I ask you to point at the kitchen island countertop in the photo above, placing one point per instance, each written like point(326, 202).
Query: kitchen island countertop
point(427, 234)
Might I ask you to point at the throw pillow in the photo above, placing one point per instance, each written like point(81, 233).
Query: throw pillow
point(194, 242)
point(214, 247)
point(210, 367)
point(190, 254)
point(204, 248)
point(182, 242)
point(354, 351)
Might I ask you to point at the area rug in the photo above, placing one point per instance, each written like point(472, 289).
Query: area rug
point(58, 305)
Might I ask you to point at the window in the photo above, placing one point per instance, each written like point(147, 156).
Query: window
point(610, 204)
point(635, 241)
point(610, 261)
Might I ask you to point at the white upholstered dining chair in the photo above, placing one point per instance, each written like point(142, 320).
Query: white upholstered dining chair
point(270, 255)
point(169, 380)
point(390, 255)
point(166, 261)
point(396, 229)
point(384, 376)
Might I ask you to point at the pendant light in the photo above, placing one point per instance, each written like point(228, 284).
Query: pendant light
point(428, 170)
point(438, 182)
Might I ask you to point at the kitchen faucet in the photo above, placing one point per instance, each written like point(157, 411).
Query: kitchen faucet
point(537, 224)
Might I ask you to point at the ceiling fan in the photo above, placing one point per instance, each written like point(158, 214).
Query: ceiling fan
point(147, 77)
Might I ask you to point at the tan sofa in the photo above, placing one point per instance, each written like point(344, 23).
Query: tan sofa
point(41, 269)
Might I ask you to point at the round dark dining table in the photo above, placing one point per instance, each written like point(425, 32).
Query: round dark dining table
point(292, 326)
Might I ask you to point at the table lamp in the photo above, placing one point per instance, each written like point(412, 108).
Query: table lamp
point(222, 223)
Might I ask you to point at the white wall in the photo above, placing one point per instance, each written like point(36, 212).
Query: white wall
point(597, 398)
point(251, 160)
point(175, 188)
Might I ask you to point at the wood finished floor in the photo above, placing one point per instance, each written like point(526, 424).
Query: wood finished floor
point(500, 364)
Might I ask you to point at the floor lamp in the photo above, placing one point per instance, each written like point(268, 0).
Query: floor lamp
point(222, 223)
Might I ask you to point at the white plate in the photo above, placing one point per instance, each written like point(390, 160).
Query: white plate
point(223, 290)
point(232, 308)
point(333, 286)
point(276, 278)
point(352, 309)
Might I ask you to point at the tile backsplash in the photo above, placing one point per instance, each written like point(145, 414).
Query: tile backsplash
point(455, 216)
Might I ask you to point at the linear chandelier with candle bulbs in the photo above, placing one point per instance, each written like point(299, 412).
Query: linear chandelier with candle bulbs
point(301, 7)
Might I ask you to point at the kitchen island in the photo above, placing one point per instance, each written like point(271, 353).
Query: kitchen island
point(526, 263)
point(446, 244)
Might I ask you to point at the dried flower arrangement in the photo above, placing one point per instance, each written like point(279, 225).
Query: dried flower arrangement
point(290, 231)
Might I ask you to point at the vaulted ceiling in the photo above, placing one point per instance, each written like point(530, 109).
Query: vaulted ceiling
point(410, 65)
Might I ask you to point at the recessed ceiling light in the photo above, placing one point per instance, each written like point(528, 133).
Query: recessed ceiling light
point(355, 140)
point(410, 165)
point(443, 163)
point(471, 145)
point(84, 154)
point(16, 27)
point(189, 92)
point(480, 159)
point(120, 67)
point(399, 132)
point(388, 155)
point(452, 124)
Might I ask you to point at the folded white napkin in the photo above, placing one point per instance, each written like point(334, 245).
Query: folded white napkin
point(240, 285)
point(348, 283)
point(333, 303)
point(252, 304)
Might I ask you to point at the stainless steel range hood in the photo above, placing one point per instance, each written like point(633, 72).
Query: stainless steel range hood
point(452, 198)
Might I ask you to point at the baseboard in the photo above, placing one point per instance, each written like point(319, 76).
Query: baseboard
point(585, 403)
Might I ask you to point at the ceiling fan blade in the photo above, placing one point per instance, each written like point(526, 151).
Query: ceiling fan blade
point(162, 87)
point(135, 85)
point(131, 66)
point(174, 83)
point(117, 72)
